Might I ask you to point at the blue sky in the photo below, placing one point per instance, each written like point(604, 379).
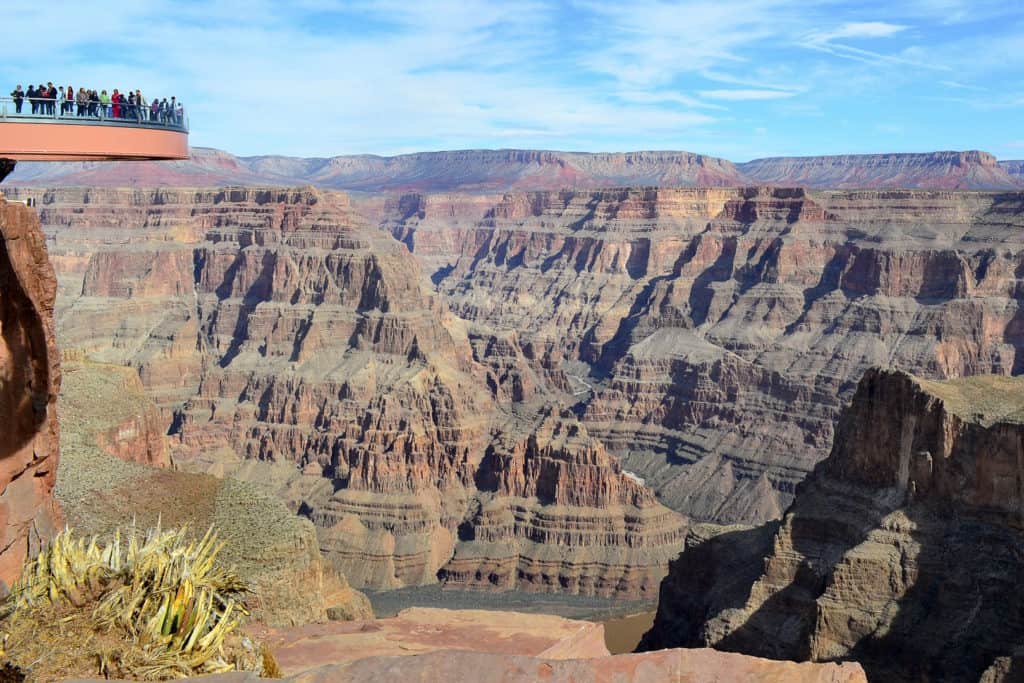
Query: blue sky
point(738, 79)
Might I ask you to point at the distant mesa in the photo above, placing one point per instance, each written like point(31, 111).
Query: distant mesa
point(507, 170)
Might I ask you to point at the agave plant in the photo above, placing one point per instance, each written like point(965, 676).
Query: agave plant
point(165, 592)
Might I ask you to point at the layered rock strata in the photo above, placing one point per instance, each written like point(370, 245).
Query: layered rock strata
point(29, 383)
point(902, 551)
point(558, 514)
point(711, 336)
point(284, 340)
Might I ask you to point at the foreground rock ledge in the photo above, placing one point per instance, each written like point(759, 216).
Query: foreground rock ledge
point(29, 383)
point(505, 647)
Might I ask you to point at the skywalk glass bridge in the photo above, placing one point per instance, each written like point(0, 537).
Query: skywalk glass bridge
point(65, 135)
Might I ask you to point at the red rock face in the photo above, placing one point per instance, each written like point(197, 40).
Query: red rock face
point(29, 383)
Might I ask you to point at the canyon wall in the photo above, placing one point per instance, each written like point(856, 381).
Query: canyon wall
point(1015, 168)
point(285, 340)
point(901, 551)
point(29, 382)
point(711, 336)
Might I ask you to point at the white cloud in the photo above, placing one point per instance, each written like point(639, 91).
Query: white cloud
point(662, 97)
point(962, 86)
point(858, 29)
point(740, 95)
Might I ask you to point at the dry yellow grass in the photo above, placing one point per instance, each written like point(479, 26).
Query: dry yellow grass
point(146, 606)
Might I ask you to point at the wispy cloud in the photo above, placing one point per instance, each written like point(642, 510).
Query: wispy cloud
point(321, 77)
point(857, 29)
point(827, 41)
point(741, 95)
point(962, 86)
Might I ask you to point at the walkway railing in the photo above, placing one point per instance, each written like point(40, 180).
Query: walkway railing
point(94, 113)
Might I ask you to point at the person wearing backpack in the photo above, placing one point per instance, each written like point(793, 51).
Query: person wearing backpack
point(18, 95)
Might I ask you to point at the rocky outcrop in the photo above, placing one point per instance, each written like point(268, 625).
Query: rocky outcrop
point(901, 551)
point(711, 336)
point(968, 170)
point(418, 631)
point(559, 514)
point(29, 382)
point(463, 645)
point(286, 341)
point(690, 666)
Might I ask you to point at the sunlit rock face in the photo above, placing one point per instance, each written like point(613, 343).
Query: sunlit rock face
point(714, 335)
point(287, 341)
point(901, 551)
point(29, 383)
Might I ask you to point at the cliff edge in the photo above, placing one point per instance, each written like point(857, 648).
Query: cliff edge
point(29, 382)
point(902, 551)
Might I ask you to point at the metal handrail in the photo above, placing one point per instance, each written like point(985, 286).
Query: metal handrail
point(103, 115)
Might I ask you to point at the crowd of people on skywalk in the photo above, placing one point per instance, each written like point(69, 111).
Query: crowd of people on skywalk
point(48, 100)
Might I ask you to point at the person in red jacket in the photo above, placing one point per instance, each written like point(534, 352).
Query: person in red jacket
point(115, 100)
point(51, 99)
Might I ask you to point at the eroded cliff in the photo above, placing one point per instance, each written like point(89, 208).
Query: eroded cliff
point(29, 383)
point(286, 341)
point(711, 336)
point(902, 551)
